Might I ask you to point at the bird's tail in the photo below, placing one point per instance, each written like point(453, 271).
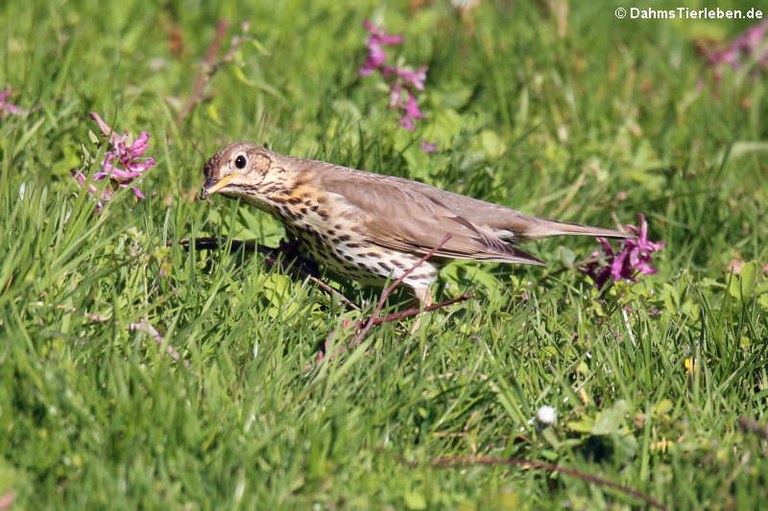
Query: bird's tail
point(543, 228)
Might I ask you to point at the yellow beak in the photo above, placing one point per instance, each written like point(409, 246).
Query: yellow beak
point(222, 183)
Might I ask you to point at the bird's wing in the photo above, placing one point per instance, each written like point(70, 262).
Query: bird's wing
point(510, 224)
point(402, 217)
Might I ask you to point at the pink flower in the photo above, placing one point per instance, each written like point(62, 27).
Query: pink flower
point(376, 42)
point(379, 36)
point(752, 38)
point(751, 44)
point(411, 112)
point(78, 176)
point(376, 58)
point(402, 82)
point(123, 163)
point(7, 107)
point(428, 147)
point(414, 78)
point(634, 257)
point(729, 56)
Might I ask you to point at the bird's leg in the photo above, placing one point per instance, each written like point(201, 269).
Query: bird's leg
point(424, 296)
point(292, 257)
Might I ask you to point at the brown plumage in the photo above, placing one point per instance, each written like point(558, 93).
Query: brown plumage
point(373, 227)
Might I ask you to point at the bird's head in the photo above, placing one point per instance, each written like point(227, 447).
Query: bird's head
point(247, 171)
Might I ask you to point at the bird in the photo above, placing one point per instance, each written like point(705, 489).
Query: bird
point(373, 228)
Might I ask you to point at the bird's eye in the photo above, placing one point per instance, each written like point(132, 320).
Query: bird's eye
point(240, 161)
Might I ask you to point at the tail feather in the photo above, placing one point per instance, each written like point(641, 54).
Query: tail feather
point(543, 228)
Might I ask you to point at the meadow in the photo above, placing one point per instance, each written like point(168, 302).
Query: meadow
point(137, 372)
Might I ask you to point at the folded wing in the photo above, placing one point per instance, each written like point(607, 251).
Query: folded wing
point(405, 218)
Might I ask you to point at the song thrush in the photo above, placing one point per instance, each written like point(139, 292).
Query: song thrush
point(372, 227)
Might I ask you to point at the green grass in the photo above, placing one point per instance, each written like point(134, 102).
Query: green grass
point(611, 119)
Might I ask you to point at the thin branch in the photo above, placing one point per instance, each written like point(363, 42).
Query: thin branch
point(749, 425)
point(210, 243)
point(364, 326)
point(395, 316)
point(453, 461)
point(388, 291)
point(144, 326)
point(212, 63)
point(328, 289)
point(7, 499)
point(204, 76)
point(287, 253)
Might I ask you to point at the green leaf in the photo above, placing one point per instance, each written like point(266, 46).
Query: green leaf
point(747, 148)
point(583, 425)
point(455, 98)
point(415, 500)
point(611, 420)
point(748, 279)
point(742, 286)
point(213, 113)
point(444, 127)
point(663, 407)
point(565, 256)
point(763, 302)
point(492, 145)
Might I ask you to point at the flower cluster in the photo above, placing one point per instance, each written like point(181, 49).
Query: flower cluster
point(751, 44)
point(403, 82)
point(5, 106)
point(632, 259)
point(123, 163)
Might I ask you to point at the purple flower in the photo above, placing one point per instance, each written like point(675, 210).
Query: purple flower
point(379, 36)
point(376, 42)
point(376, 58)
point(403, 82)
point(428, 147)
point(752, 38)
point(411, 112)
point(7, 107)
point(728, 56)
point(414, 78)
point(633, 258)
point(750, 44)
point(123, 163)
point(78, 176)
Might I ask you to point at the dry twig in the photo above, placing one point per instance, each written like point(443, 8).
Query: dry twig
point(395, 316)
point(288, 256)
point(388, 291)
point(749, 425)
point(7, 499)
point(364, 326)
point(415, 311)
point(144, 326)
point(210, 65)
point(454, 461)
point(292, 260)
